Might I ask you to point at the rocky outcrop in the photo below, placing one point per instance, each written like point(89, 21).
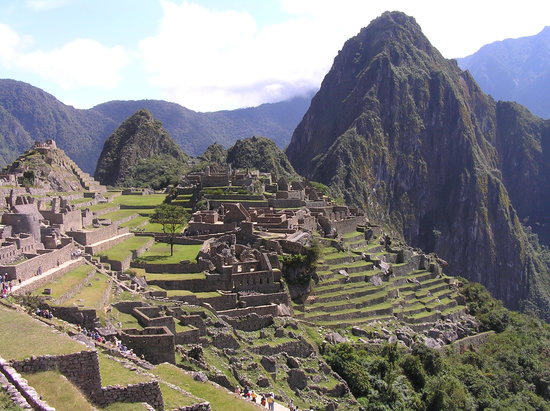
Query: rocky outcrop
point(406, 134)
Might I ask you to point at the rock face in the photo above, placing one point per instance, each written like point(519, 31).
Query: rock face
point(138, 139)
point(260, 153)
point(405, 134)
point(515, 70)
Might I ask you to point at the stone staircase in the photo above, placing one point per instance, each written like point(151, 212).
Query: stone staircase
point(85, 179)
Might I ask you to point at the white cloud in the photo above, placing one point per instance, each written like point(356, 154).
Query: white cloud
point(79, 63)
point(209, 59)
point(39, 5)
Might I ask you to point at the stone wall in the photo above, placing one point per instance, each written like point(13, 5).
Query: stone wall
point(95, 249)
point(148, 392)
point(348, 225)
point(151, 317)
point(40, 263)
point(176, 268)
point(188, 337)
point(262, 281)
point(46, 279)
point(81, 368)
point(471, 342)
point(194, 320)
point(85, 317)
point(250, 322)
point(88, 237)
point(265, 299)
point(127, 262)
point(156, 344)
point(270, 309)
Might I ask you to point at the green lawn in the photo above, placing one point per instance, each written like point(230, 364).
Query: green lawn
point(174, 277)
point(139, 200)
point(62, 285)
point(122, 250)
point(125, 406)
point(80, 200)
point(174, 399)
point(219, 398)
point(22, 336)
point(127, 320)
point(113, 373)
point(101, 206)
point(160, 253)
point(119, 214)
point(91, 294)
point(57, 391)
point(135, 222)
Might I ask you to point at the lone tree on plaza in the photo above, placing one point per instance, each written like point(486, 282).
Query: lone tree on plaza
point(173, 219)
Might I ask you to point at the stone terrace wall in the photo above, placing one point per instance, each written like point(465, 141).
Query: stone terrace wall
point(107, 244)
point(271, 309)
point(471, 342)
point(188, 337)
point(44, 261)
point(156, 344)
point(148, 392)
point(349, 225)
point(85, 317)
point(265, 299)
point(250, 322)
point(81, 368)
point(89, 237)
point(45, 280)
point(176, 268)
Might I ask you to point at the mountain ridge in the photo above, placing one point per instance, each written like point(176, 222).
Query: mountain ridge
point(28, 114)
point(406, 134)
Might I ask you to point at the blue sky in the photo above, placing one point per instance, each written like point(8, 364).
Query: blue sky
point(213, 54)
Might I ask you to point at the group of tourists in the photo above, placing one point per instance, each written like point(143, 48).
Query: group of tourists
point(44, 313)
point(251, 395)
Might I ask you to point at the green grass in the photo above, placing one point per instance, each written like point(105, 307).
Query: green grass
point(159, 253)
point(22, 336)
point(6, 404)
point(122, 250)
point(135, 222)
point(57, 391)
point(127, 320)
point(174, 277)
point(154, 228)
point(91, 295)
point(140, 200)
point(80, 200)
point(62, 285)
point(119, 214)
point(113, 373)
point(101, 206)
point(125, 406)
point(219, 398)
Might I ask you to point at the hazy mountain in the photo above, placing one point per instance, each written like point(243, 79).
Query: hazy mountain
point(28, 114)
point(140, 143)
point(515, 70)
point(404, 133)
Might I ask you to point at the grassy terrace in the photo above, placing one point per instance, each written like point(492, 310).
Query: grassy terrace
point(62, 285)
point(140, 200)
point(184, 293)
point(126, 320)
point(159, 253)
point(119, 214)
point(101, 206)
point(113, 373)
point(80, 200)
point(122, 250)
point(174, 277)
point(219, 398)
point(57, 391)
point(32, 337)
point(91, 294)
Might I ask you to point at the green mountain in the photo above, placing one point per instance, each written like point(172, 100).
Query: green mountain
point(262, 154)
point(407, 135)
point(28, 114)
point(140, 153)
point(515, 70)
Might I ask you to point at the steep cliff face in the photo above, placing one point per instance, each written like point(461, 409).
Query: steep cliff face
point(404, 133)
point(139, 146)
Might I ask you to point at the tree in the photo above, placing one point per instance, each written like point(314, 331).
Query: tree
point(173, 219)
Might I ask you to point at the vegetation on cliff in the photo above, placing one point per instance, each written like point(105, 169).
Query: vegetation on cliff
point(509, 371)
point(408, 136)
point(262, 154)
point(140, 153)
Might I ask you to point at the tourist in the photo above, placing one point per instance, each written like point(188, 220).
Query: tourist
point(271, 402)
point(253, 396)
point(238, 391)
point(262, 401)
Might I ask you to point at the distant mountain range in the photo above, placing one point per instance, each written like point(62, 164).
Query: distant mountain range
point(27, 114)
point(515, 70)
